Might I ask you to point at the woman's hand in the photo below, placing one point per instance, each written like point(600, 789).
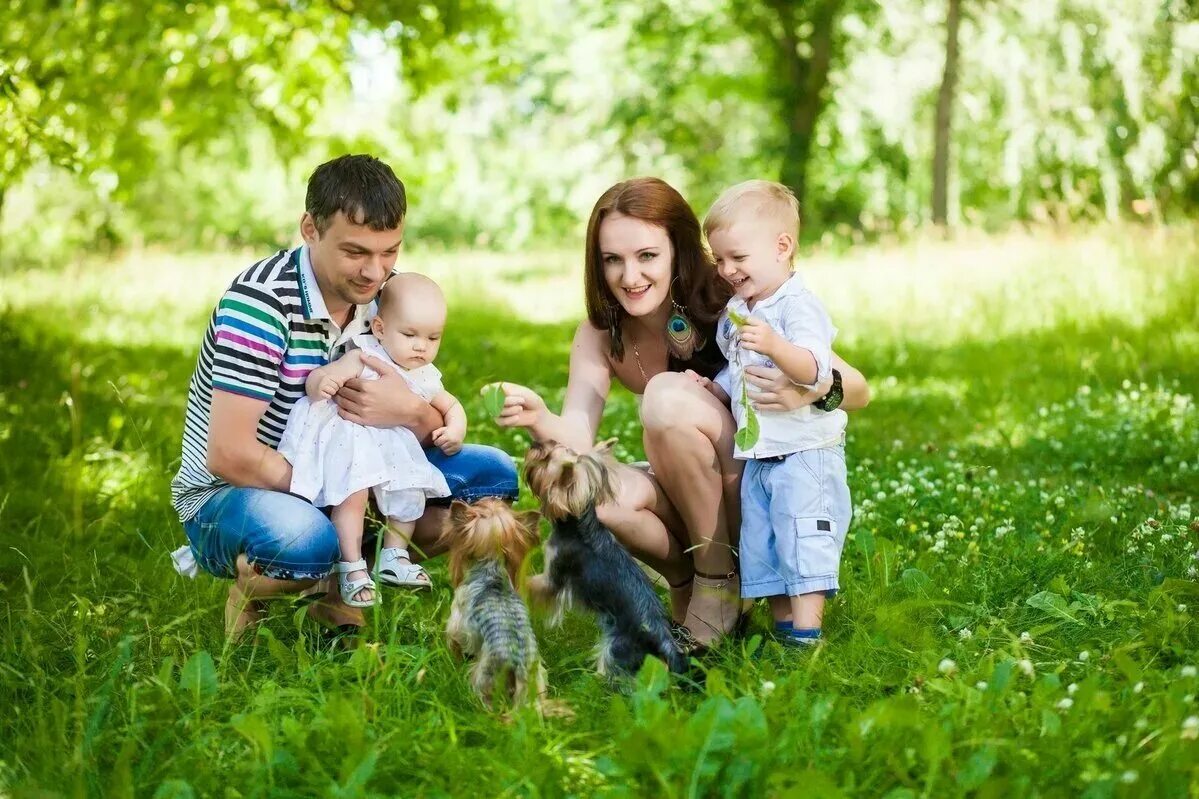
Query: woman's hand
point(523, 407)
point(771, 390)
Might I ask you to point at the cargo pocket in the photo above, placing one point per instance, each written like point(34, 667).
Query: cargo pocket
point(816, 547)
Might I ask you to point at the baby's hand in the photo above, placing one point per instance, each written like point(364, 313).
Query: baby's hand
point(328, 387)
point(448, 439)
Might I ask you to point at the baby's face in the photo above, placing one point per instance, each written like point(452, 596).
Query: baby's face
point(753, 256)
point(411, 332)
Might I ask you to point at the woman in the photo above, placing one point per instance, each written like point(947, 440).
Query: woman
point(646, 265)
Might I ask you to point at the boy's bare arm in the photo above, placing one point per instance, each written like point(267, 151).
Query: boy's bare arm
point(325, 381)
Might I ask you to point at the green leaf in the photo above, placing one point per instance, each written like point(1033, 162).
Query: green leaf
point(914, 579)
point(199, 675)
point(748, 436)
point(978, 768)
point(1051, 603)
point(493, 398)
point(737, 318)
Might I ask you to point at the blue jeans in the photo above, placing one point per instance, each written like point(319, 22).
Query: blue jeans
point(287, 538)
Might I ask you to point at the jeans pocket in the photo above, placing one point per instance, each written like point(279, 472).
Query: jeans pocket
point(816, 549)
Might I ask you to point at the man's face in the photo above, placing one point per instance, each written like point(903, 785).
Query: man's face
point(350, 261)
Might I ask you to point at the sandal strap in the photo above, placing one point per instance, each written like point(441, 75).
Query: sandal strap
point(350, 565)
point(732, 575)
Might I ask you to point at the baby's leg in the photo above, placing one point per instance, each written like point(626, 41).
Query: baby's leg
point(395, 566)
point(398, 533)
point(347, 521)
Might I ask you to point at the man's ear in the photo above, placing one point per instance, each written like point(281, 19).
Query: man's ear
point(308, 229)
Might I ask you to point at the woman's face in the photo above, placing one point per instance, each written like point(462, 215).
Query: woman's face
point(636, 257)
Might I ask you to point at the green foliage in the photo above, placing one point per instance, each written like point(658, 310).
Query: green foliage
point(1019, 588)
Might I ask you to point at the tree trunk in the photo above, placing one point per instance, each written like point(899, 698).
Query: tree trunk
point(945, 117)
point(804, 80)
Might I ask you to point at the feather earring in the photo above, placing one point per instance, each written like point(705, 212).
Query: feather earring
point(682, 339)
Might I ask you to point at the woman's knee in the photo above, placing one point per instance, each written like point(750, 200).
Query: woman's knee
point(672, 401)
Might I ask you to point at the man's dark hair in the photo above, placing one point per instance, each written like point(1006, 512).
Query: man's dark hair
point(360, 186)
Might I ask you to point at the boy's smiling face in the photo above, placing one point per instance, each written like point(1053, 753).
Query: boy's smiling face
point(753, 255)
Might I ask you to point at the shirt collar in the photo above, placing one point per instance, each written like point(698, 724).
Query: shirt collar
point(314, 302)
point(791, 287)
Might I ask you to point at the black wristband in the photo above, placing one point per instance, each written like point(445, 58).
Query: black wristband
point(833, 399)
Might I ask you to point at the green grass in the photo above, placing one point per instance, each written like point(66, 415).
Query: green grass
point(1019, 605)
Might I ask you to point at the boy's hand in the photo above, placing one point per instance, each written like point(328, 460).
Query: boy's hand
point(449, 439)
point(757, 336)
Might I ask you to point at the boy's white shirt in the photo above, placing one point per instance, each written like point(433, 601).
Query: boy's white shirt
point(799, 317)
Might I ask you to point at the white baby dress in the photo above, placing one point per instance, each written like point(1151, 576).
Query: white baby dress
point(332, 458)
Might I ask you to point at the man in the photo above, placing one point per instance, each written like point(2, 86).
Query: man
point(279, 319)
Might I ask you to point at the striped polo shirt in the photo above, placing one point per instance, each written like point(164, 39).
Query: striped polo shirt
point(269, 330)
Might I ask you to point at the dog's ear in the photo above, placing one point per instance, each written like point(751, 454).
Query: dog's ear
point(604, 448)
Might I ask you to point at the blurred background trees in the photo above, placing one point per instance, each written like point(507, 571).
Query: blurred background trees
point(195, 125)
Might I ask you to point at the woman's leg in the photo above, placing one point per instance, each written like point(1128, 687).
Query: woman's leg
point(689, 442)
point(642, 519)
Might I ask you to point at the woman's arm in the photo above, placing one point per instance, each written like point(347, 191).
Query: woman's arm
point(586, 393)
point(853, 383)
point(771, 390)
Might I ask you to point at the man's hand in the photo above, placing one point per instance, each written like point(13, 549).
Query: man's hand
point(386, 402)
point(449, 439)
point(757, 336)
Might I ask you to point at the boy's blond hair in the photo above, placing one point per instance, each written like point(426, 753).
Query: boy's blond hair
point(762, 199)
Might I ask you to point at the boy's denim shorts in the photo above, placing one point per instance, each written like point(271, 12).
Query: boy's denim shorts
point(795, 512)
point(287, 538)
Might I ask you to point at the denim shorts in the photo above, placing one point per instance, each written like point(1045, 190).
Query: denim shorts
point(287, 538)
point(795, 513)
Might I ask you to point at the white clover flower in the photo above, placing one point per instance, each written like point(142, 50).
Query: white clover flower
point(767, 687)
point(1182, 608)
point(965, 634)
point(947, 667)
point(1188, 671)
point(1025, 638)
point(1026, 666)
point(1129, 776)
point(1190, 728)
point(981, 685)
point(1065, 703)
point(1084, 656)
point(1071, 688)
point(1136, 689)
point(1140, 724)
point(1121, 740)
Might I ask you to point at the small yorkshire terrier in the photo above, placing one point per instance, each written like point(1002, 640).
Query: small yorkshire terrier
point(585, 564)
point(488, 620)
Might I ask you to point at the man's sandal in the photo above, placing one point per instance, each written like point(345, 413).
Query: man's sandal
point(350, 589)
point(393, 570)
